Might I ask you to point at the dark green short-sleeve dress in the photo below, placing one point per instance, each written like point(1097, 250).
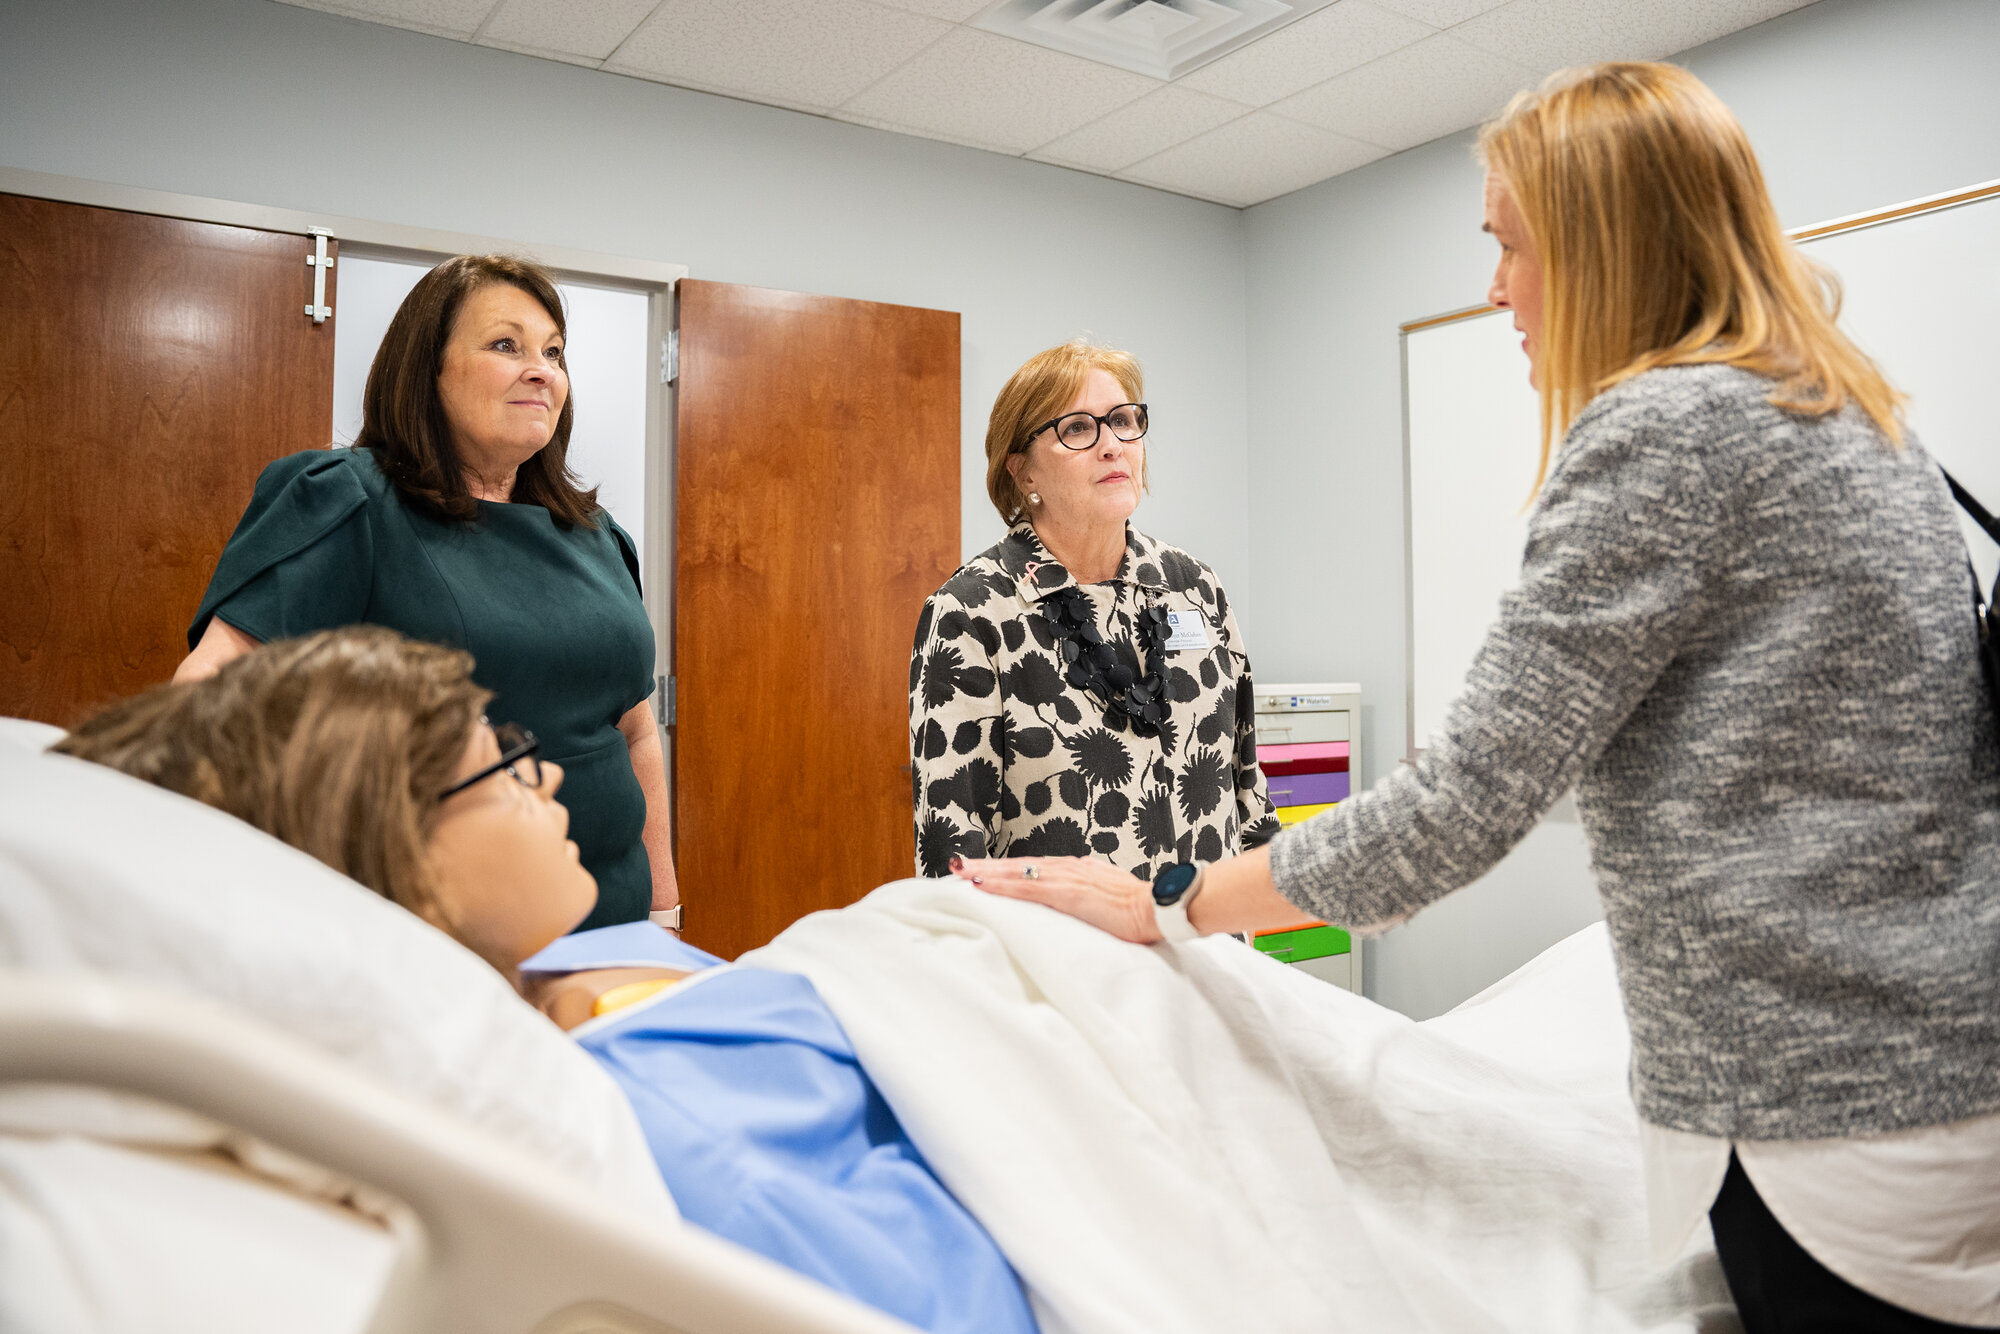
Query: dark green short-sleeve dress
point(551, 616)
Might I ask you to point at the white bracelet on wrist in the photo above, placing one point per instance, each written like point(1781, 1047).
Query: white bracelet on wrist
point(1173, 922)
point(1172, 917)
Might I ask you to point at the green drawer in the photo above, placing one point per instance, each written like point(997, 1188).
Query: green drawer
point(1313, 942)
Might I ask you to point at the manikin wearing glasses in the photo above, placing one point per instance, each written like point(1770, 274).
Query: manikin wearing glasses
point(1080, 689)
point(369, 752)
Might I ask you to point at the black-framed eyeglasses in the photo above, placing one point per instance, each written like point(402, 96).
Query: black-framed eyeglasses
point(518, 760)
point(1080, 430)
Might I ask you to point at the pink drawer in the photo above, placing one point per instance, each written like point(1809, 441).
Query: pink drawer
point(1305, 757)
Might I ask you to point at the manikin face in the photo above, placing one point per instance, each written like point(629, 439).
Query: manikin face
point(507, 874)
point(503, 383)
point(1084, 489)
point(1517, 279)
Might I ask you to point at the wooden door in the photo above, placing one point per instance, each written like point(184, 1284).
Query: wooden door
point(816, 508)
point(149, 369)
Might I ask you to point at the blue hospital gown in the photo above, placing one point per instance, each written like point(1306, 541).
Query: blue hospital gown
point(768, 1132)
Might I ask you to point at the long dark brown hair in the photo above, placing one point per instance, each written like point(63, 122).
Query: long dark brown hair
point(402, 413)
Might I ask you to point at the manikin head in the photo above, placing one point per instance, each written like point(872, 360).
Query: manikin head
point(343, 744)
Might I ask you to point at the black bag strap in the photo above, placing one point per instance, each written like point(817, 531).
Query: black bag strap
point(1972, 507)
point(1985, 610)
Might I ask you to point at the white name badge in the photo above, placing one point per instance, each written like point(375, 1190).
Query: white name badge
point(1190, 631)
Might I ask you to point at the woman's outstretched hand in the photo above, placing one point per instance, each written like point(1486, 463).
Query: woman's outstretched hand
point(1236, 894)
point(1098, 893)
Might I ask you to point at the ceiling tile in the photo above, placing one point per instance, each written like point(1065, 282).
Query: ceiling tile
point(953, 11)
point(1546, 35)
point(1155, 122)
point(912, 131)
point(1301, 54)
point(811, 53)
point(592, 28)
point(543, 53)
point(1411, 96)
point(975, 86)
point(1439, 13)
point(1247, 161)
point(446, 18)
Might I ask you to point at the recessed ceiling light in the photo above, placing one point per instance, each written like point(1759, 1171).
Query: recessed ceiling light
point(1163, 39)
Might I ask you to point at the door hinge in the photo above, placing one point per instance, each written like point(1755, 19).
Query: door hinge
point(319, 262)
point(670, 357)
point(663, 701)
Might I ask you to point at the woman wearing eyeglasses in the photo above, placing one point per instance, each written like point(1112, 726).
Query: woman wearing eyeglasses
point(1080, 689)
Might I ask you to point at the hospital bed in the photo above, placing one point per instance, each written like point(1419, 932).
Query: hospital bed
point(239, 1092)
point(479, 1236)
point(210, 1119)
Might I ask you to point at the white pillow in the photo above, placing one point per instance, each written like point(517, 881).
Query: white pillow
point(102, 872)
point(29, 734)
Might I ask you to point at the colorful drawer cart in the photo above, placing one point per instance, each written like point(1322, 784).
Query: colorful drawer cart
point(1308, 744)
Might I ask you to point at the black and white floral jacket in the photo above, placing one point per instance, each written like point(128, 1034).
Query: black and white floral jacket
point(1009, 760)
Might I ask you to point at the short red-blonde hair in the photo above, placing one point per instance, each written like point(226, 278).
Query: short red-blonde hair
point(1047, 383)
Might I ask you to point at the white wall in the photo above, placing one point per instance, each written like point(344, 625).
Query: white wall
point(1851, 104)
point(264, 103)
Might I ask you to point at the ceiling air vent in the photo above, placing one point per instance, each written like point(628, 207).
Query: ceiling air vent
point(1162, 39)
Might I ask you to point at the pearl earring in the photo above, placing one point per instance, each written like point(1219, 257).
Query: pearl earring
point(1034, 497)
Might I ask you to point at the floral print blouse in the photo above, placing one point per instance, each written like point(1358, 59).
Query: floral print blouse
point(1010, 760)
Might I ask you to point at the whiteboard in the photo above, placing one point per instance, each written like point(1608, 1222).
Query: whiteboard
point(607, 351)
point(1473, 426)
point(1922, 294)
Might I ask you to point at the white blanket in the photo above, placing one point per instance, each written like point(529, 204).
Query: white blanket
point(1195, 1138)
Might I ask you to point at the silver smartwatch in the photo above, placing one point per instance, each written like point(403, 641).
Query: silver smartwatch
point(1173, 893)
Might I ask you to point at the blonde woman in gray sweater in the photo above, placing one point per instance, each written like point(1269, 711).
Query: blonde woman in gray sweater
point(1742, 635)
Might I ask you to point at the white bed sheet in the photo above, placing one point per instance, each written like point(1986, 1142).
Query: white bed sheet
point(1195, 1138)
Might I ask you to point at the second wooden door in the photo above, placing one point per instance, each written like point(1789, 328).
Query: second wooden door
point(816, 508)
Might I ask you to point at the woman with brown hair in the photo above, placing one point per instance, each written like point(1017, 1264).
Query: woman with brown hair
point(455, 519)
point(1740, 634)
point(1080, 688)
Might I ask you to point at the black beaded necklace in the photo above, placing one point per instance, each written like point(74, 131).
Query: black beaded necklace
point(1091, 664)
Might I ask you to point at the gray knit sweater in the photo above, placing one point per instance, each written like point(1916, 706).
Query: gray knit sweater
point(1746, 638)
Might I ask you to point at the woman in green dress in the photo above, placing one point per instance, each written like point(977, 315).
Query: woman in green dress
point(455, 519)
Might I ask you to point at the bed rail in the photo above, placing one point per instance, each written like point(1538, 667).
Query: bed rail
point(491, 1239)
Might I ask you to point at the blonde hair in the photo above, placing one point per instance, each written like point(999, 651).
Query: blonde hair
point(1659, 247)
point(337, 743)
point(1047, 383)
